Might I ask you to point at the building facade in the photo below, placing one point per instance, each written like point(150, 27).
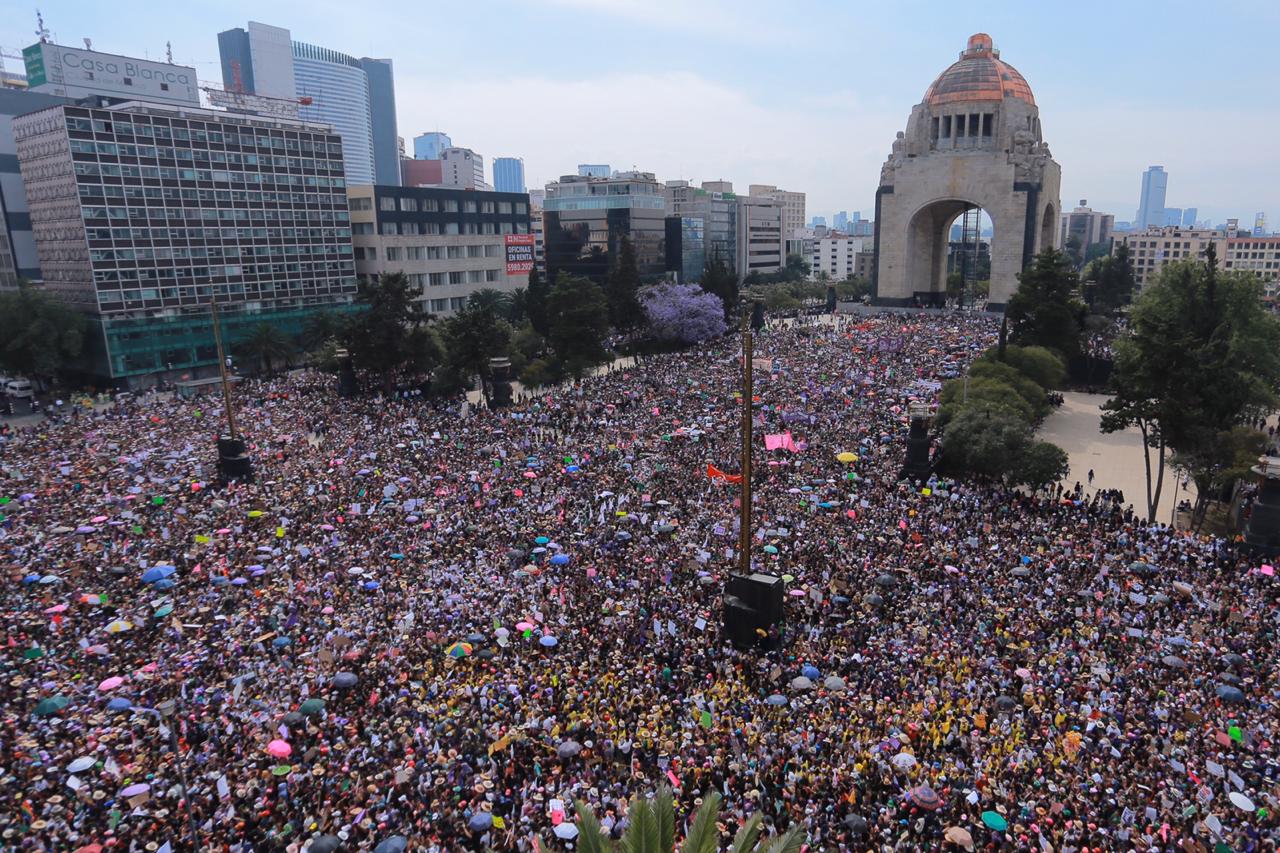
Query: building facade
point(144, 214)
point(974, 141)
point(1155, 183)
point(586, 218)
point(1086, 226)
point(508, 175)
point(793, 204)
point(354, 95)
point(761, 248)
point(718, 211)
point(429, 146)
point(462, 168)
point(836, 255)
point(18, 256)
point(594, 170)
point(1258, 255)
point(1151, 249)
point(450, 243)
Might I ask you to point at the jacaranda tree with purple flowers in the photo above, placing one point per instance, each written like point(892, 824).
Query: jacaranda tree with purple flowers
point(683, 313)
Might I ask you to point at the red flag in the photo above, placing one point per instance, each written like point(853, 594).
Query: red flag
point(716, 474)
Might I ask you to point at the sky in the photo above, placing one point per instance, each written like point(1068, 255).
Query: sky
point(803, 95)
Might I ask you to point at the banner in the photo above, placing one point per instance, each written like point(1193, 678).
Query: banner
point(519, 254)
point(716, 474)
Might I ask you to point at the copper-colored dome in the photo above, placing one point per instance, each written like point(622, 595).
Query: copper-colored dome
point(979, 75)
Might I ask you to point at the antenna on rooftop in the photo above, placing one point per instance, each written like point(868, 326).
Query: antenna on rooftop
point(88, 44)
point(168, 52)
point(41, 32)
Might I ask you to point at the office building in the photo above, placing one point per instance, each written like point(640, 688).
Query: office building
point(18, 257)
point(836, 255)
point(449, 242)
point(685, 248)
point(1151, 203)
point(760, 237)
point(1260, 224)
point(818, 222)
point(72, 72)
point(508, 174)
point(586, 219)
point(144, 213)
point(864, 265)
point(354, 95)
point(429, 146)
point(462, 168)
point(539, 234)
point(1086, 226)
point(841, 221)
point(1257, 254)
point(718, 211)
point(1189, 215)
point(793, 205)
point(593, 170)
point(1172, 218)
point(1152, 248)
point(421, 173)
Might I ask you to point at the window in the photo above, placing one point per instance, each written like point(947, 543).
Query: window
point(491, 275)
point(487, 207)
point(389, 228)
point(946, 127)
point(365, 228)
point(450, 205)
point(409, 205)
point(474, 276)
point(458, 303)
point(469, 207)
point(456, 253)
point(492, 250)
point(164, 87)
point(439, 306)
point(437, 279)
point(475, 251)
point(433, 253)
point(363, 203)
point(387, 203)
point(457, 278)
point(503, 207)
point(393, 253)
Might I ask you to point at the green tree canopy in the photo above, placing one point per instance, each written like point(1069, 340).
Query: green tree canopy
point(1036, 363)
point(387, 337)
point(39, 336)
point(267, 346)
point(1113, 280)
point(622, 288)
point(578, 321)
point(1201, 358)
point(717, 278)
point(472, 337)
point(535, 302)
point(1045, 310)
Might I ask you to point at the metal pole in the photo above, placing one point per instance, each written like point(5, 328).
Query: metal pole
point(222, 370)
point(744, 535)
point(166, 711)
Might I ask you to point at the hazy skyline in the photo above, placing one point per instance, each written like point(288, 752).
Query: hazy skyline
point(807, 96)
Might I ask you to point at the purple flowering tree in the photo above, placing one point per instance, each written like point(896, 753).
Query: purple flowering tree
point(682, 312)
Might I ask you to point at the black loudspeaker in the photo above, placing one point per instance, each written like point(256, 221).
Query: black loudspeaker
point(831, 300)
point(762, 593)
point(233, 463)
point(917, 465)
point(757, 316)
point(500, 381)
point(1262, 532)
point(740, 622)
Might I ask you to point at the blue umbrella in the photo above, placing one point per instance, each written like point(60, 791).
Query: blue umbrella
point(219, 580)
point(371, 585)
point(31, 579)
point(281, 642)
point(810, 671)
point(157, 573)
point(480, 821)
point(542, 540)
point(397, 556)
point(48, 579)
point(777, 699)
point(560, 560)
point(239, 581)
point(119, 703)
point(165, 583)
point(572, 469)
point(548, 641)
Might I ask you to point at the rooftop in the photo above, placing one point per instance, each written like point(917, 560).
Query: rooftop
point(979, 75)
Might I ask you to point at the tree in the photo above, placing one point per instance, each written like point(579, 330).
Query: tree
point(796, 269)
point(517, 310)
point(985, 442)
point(1041, 464)
point(717, 278)
point(578, 320)
point(491, 300)
point(39, 336)
point(320, 327)
point(535, 301)
point(1201, 358)
point(622, 288)
point(1036, 363)
point(852, 289)
point(683, 313)
point(267, 346)
point(386, 337)
point(651, 828)
point(1074, 250)
point(1045, 310)
point(472, 337)
point(1113, 280)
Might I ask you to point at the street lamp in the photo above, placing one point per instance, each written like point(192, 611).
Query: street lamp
point(166, 711)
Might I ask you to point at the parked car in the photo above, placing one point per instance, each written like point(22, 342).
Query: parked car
point(19, 389)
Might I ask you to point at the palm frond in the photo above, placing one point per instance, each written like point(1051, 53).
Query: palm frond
point(703, 836)
point(789, 842)
point(591, 838)
point(642, 830)
point(745, 840)
point(665, 811)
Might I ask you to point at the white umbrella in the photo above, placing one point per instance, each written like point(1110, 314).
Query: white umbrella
point(801, 683)
point(904, 760)
point(566, 831)
point(84, 762)
point(1241, 802)
point(834, 683)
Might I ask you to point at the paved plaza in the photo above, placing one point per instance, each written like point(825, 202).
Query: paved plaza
point(1116, 459)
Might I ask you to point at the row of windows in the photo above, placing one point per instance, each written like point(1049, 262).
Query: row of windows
point(430, 253)
point(332, 270)
point(121, 149)
point(439, 306)
point(142, 235)
point(443, 279)
point(319, 217)
point(159, 195)
point(306, 143)
point(115, 170)
point(276, 271)
point(183, 253)
point(449, 228)
point(431, 205)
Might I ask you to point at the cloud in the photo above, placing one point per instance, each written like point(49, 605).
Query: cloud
point(675, 124)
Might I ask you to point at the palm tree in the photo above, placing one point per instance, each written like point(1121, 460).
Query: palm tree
point(490, 299)
point(266, 345)
point(651, 828)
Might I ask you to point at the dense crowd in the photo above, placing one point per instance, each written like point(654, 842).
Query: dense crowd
point(447, 626)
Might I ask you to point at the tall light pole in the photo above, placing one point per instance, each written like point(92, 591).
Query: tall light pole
point(222, 371)
point(744, 534)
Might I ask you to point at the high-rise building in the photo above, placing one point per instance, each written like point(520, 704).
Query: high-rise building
point(73, 72)
point(1172, 218)
point(462, 169)
point(586, 218)
point(593, 170)
point(429, 146)
point(761, 245)
point(1151, 203)
point(1189, 215)
point(836, 255)
point(818, 222)
point(718, 212)
point(508, 174)
point(1260, 224)
point(18, 257)
point(268, 237)
point(840, 221)
point(792, 203)
point(449, 243)
point(356, 96)
point(1087, 226)
point(1150, 249)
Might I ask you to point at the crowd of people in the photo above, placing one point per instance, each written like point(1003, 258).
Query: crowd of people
point(447, 626)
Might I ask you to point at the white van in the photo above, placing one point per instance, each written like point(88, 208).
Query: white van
point(19, 389)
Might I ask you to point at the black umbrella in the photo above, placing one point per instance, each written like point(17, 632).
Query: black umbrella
point(1230, 678)
point(485, 654)
point(293, 718)
point(1144, 569)
point(345, 680)
point(476, 638)
point(1233, 659)
point(857, 824)
point(886, 581)
point(874, 600)
point(1173, 662)
point(1227, 693)
point(1006, 703)
point(325, 844)
point(394, 844)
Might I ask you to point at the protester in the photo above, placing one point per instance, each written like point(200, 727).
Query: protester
point(450, 628)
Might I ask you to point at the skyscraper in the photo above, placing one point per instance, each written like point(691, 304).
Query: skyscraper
point(429, 146)
point(1151, 204)
point(355, 96)
point(840, 221)
point(1189, 215)
point(593, 170)
point(508, 174)
point(462, 168)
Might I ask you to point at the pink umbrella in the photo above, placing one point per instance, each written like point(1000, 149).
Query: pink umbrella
point(530, 475)
point(1022, 672)
point(223, 531)
point(98, 519)
point(279, 749)
point(326, 527)
point(524, 626)
point(110, 683)
point(326, 609)
point(96, 649)
point(57, 608)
